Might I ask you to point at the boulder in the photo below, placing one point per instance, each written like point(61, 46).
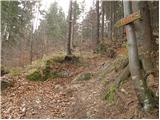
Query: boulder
point(5, 84)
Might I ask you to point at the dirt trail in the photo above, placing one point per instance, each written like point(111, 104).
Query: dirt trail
point(66, 98)
point(87, 101)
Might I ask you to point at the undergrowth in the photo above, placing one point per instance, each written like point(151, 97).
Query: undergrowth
point(109, 95)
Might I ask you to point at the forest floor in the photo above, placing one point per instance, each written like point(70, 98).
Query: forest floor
point(68, 98)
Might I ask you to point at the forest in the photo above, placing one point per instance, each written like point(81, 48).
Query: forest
point(79, 59)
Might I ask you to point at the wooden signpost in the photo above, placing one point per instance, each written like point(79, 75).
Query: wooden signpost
point(130, 18)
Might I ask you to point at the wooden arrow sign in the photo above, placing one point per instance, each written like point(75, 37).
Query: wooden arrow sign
point(128, 19)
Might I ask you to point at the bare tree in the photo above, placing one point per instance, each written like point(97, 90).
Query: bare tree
point(69, 30)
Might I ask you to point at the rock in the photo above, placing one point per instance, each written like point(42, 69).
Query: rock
point(124, 91)
point(83, 76)
point(75, 86)
point(63, 115)
point(65, 73)
point(23, 109)
point(58, 87)
point(38, 101)
point(5, 84)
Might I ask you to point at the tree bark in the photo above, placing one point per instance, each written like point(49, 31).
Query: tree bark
point(107, 15)
point(73, 24)
point(69, 30)
point(144, 35)
point(102, 32)
point(113, 33)
point(147, 42)
point(111, 20)
point(31, 48)
point(97, 29)
point(140, 85)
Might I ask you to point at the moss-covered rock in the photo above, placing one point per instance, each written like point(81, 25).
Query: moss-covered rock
point(45, 69)
point(34, 75)
point(44, 72)
point(83, 76)
point(49, 72)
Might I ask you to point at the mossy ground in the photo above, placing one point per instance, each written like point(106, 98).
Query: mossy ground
point(45, 68)
point(109, 95)
point(34, 76)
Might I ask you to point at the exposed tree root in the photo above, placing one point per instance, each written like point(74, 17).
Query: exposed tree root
point(4, 71)
point(71, 59)
point(116, 65)
point(123, 76)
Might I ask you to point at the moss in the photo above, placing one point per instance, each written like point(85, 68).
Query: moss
point(43, 69)
point(47, 69)
point(15, 71)
point(58, 59)
point(34, 76)
point(110, 93)
point(48, 72)
point(55, 74)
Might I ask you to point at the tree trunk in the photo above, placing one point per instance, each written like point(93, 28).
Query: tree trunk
point(142, 91)
point(73, 24)
point(97, 30)
point(31, 49)
point(147, 42)
point(122, 29)
point(113, 33)
point(144, 35)
point(102, 20)
point(111, 20)
point(69, 30)
point(72, 35)
point(107, 12)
